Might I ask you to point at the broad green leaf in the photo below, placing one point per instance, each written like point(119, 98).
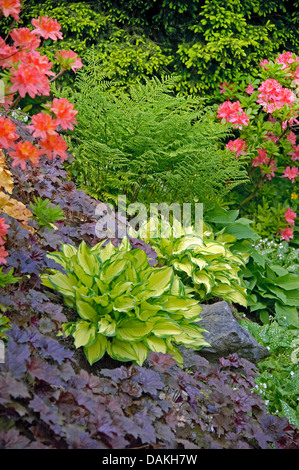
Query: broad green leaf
point(141, 352)
point(174, 304)
point(164, 328)
point(290, 314)
point(84, 334)
point(86, 311)
point(112, 269)
point(124, 303)
point(133, 329)
point(159, 281)
point(185, 265)
point(64, 283)
point(69, 250)
point(241, 231)
point(187, 243)
point(107, 326)
point(200, 277)
point(96, 350)
point(155, 344)
point(84, 258)
point(288, 282)
point(105, 253)
point(120, 288)
point(121, 350)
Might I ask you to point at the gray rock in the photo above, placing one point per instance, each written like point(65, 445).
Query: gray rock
point(226, 336)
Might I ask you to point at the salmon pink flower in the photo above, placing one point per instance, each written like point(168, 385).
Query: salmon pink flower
point(292, 137)
point(47, 28)
point(11, 7)
point(238, 145)
point(295, 153)
point(65, 113)
point(290, 173)
point(25, 151)
point(52, 146)
point(233, 113)
point(3, 229)
point(273, 96)
point(7, 133)
point(28, 79)
point(3, 255)
point(42, 125)
point(261, 159)
point(286, 59)
point(69, 60)
point(290, 216)
point(287, 233)
point(25, 39)
point(250, 89)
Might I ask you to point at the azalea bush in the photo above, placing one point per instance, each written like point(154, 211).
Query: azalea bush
point(26, 72)
point(262, 113)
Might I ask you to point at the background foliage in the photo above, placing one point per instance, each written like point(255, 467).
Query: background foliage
point(203, 42)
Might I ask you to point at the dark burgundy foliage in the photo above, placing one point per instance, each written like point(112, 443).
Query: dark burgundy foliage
point(49, 396)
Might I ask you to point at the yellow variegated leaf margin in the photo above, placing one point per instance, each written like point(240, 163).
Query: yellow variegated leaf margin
point(125, 307)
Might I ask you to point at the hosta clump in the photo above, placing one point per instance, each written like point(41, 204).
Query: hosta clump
point(205, 263)
point(126, 308)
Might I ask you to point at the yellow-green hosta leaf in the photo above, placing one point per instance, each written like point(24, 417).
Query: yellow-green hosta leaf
point(105, 253)
point(103, 286)
point(124, 303)
point(139, 259)
point(107, 326)
point(184, 265)
point(228, 293)
point(133, 329)
point(121, 350)
point(84, 258)
point(96, 350)
point(97, 249)
point(164, 328)
point(177, 287)
point(186, 243)
point(120, 288)
point(112, 269)
point(159, 281)
point(155, 344)
point(197, 261)
point(141, 352)
point(64, 283)
point(175, 304)
point(69, 250)
point(86, 311)
point(174, 351)
point(193, 312)
point(59, 258)
point(84, 334)
point(200, 277)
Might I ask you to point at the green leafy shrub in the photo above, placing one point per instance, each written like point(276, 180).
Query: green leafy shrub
point(45, 213)
point(279, 253)
point(278, 380)
point(126, 308)
point(205, 263)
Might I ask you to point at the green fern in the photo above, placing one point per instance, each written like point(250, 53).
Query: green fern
point(148, 143)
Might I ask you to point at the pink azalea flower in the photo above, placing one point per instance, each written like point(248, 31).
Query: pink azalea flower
point(290, 215)
point(261, 159)
point(238, 145)
point(269, 171)
point(273, 96)
point(250, 89)
point(287, 233)
point(3, 255)
point(65, 113)
point(290, 173)
point(11, 7)
point(25, 39)
point(42, 125)
point(47, 28)
point(292, 137)
point(233, 113)
point(295, 153)
point(69, 59)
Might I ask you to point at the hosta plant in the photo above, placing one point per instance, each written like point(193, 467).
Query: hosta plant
point(125, 307)
point(205, 263)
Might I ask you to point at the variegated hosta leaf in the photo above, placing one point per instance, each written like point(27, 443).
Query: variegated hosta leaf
point(125, 307)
